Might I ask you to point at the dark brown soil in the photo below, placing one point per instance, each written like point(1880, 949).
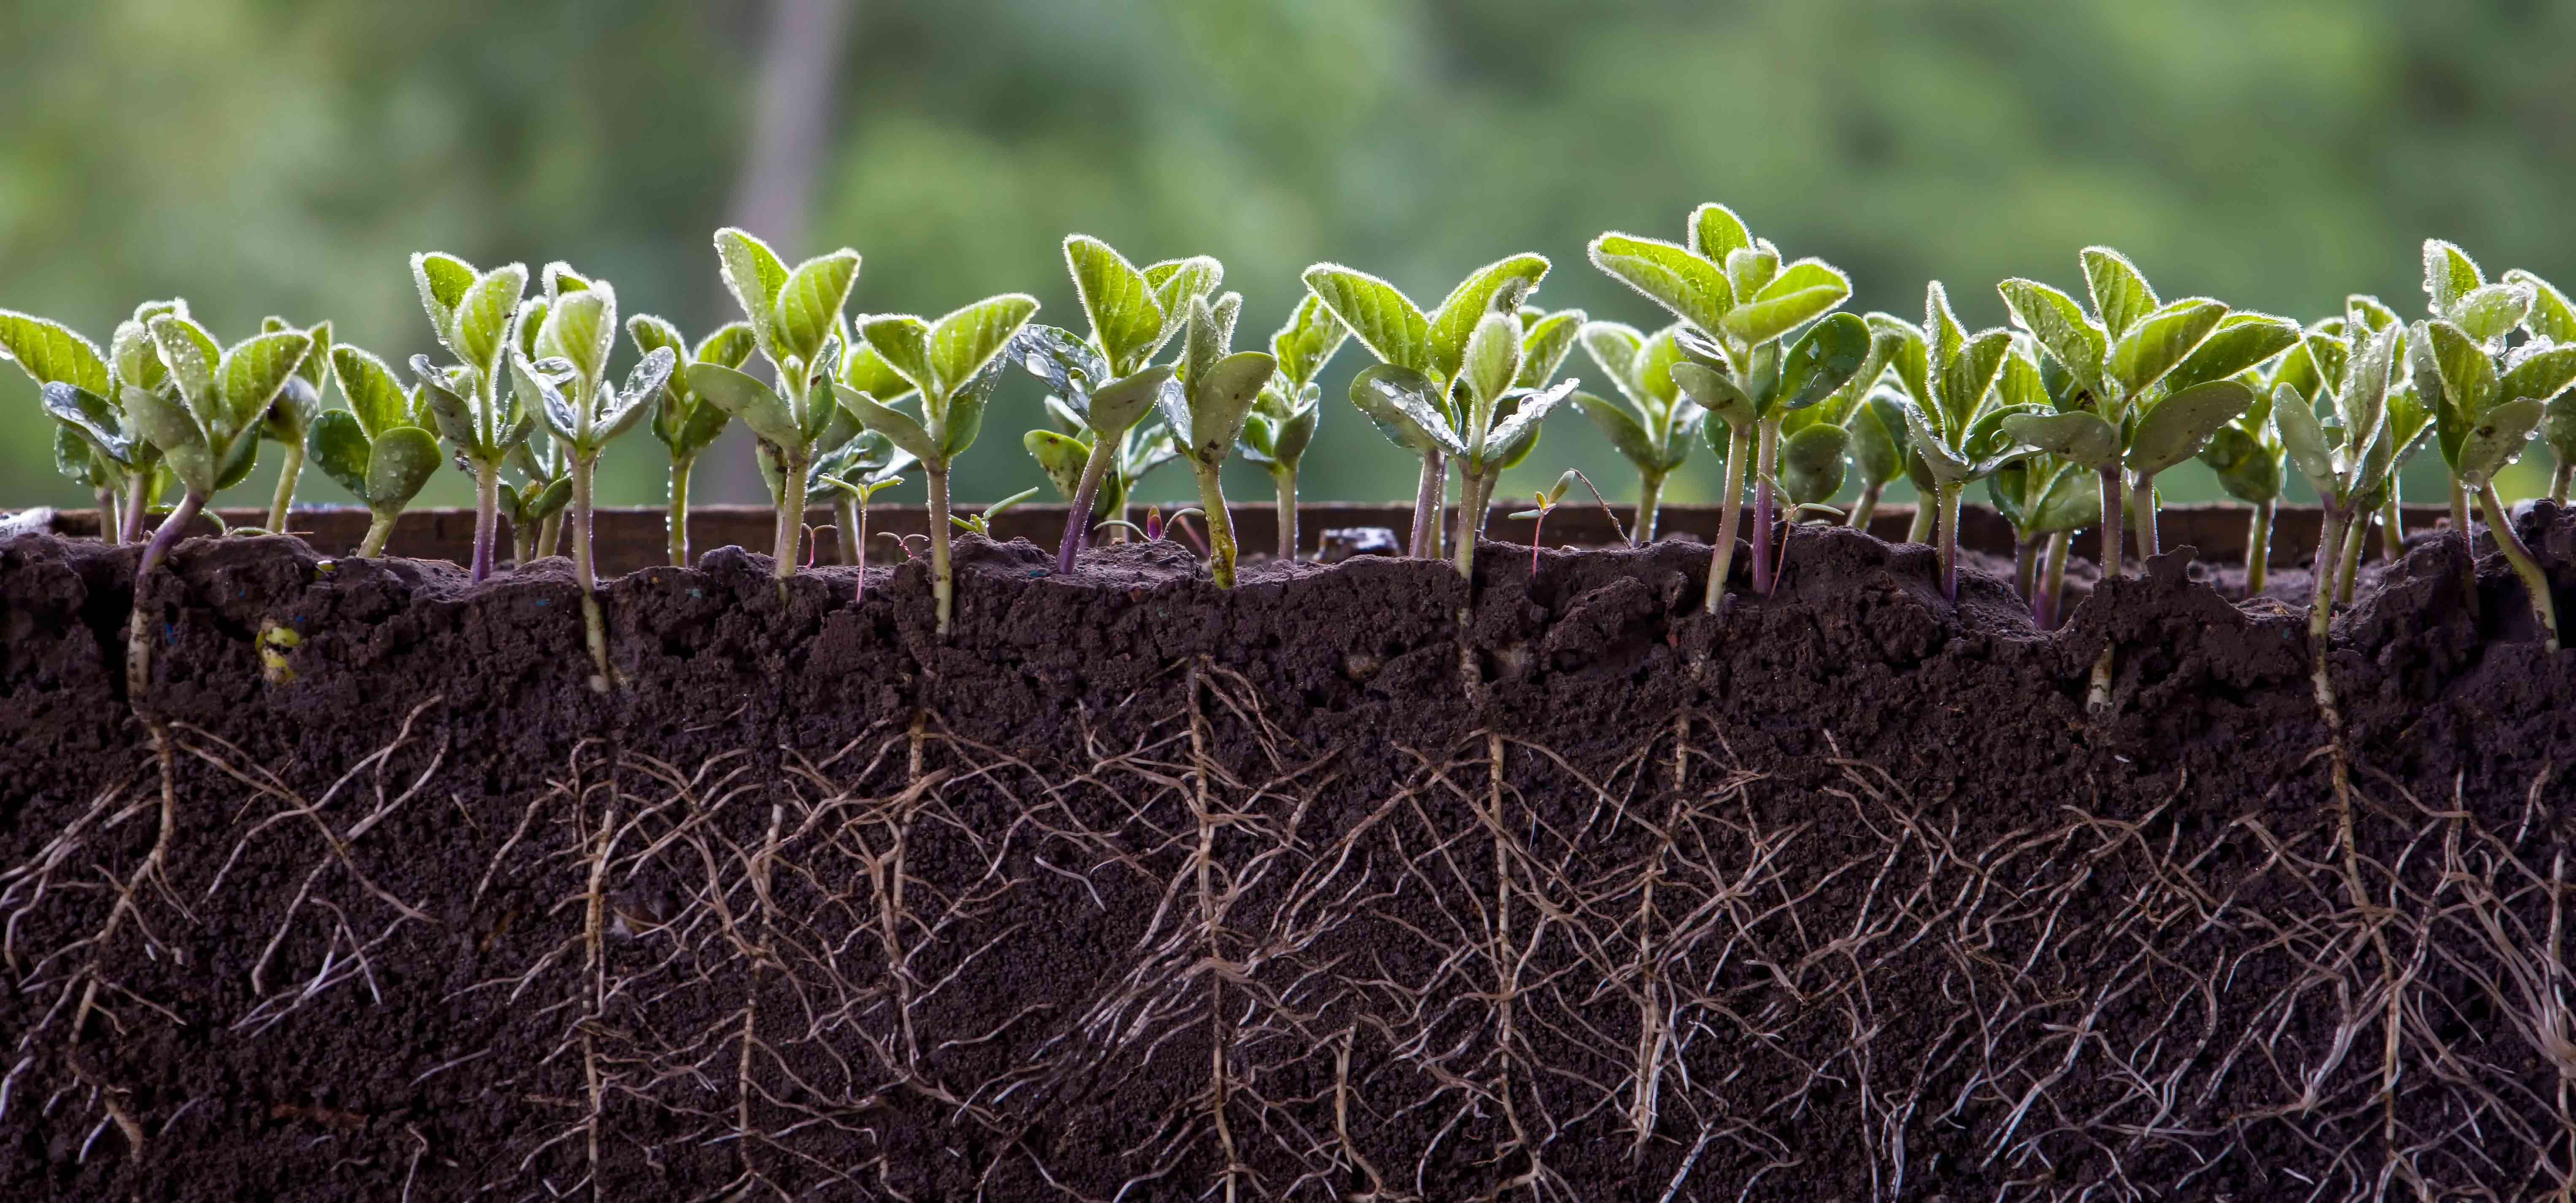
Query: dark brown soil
point(1356, 882)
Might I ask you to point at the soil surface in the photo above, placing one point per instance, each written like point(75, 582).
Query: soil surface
point(1360, 881)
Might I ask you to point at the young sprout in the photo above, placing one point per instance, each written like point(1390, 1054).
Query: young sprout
point(1656, 426)
point(685, 423)
point(535, 506)
point(2046, 499)
point(1503, 394)
point(796, 322)
point(568, 383)
point(1816, 440)
point(2147, 383)
point(849, 477)
point(2488, 401)
point(1547, 499)
point(1419, 357)
point(1956, 411)
point(954, 364)
point(290, 417)
point(208, 425)
point(1065, 451)
point(981, 525)
point(2246, 455)
point(380, 447)
point(1290, 407)
point(1205, 405)
point(2554, 319)
point(1105, 383)
point(1739, 304)
point(474, 315)
point(95, 442)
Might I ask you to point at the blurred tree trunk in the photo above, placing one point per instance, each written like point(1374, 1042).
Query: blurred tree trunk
point(791, 126)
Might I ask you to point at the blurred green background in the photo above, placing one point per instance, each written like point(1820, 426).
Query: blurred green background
point(284, 156)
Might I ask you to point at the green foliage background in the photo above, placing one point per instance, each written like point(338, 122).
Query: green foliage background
point(284, 156)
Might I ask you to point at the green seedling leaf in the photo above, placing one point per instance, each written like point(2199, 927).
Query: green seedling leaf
point(894, 424)
point(2076, 436)
point(809, 301)
point(482, 323)
point(1748, 269)
point(2158, 342)
point(1715, 393)
point(2536, 371)
point(2058, 323)
point(255, 370)
point(579, 328)
point(2467, 373)
point(1615, 348)
point(51, 353)
point(2559, 426)
point(1797, 295)
point(1392, 327)
point(404, 459)
point(2497, 439)
point(620, 411)
point(1812, 464)
point(755, 276)
point(903, 342)
point(1125, 318)
point(2247, 469)
point(443, 281)
point(1308, 341)
point(1404, 405)
point(1823, 359)
point(965, 416)
point(191, 356)
point(967, 340)
point(737, 393)
point(88, 416)
point(1493, 356)
point(2241, 341)
point(1515, 434)
point(339, 445)
point(1690, 287)
point(1177, 282)
point(1207, 415)
point(2176, 428)
point(2304, 439)
point(539, 386)
point(1060, 456)
point(375, 398)
point(1123, 403)
point(2449, 274)
point(730, 344)
point(1070, 366)
point(1497, 287)
point(1716, 232)
point(2551, 316)
point(1880, 442)
point(2492, 311)
point(1622, 429)
point(2120, 292)
point(1545, 342)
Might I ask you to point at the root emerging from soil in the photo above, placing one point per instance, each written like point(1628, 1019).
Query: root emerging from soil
point(1207, 963)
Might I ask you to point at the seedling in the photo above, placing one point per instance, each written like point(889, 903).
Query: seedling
point(290, 417)
point(2488, 401)
point(380, 447)
point(2554, 319)
point(1652, 423)
point(1739, 304)
point(685, 423)
point(1506, 393)
point(954, 364)
point(1105, 383)
point(2046, 499)
point(1064, 451)
point(569, 383)
point(1290, 407)
point(475, 316)
point(1816, 440)
point(2147, 382)
point(535, 503)
point(95, 440)
point(848, 476)
point(1205, 405)
point(1955, 412)
point(981, 525)
point(796, 322)
point(1408, 395)
point(208, 426)
point(1547, 498)
point(2246, 454)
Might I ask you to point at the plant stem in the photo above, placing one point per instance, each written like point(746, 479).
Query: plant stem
point(594, 625)
point(942, 585)
point(2258, 548)
point(1866, 508)
point(108, 526)
point(2468, 543)
point(1285, 476)
point(1919, 528)
point(2026, 567)
point(1768, 467)
point(379, 528)
point(487, 515)
point(2356, 540)
point(2535, 581)
point(845, 523)
point(2321, 624)
point(2559, 479)
point(1650, 496)
point(2143, 513)
point(523, 543)
point(1426, 505)
point(2052, 579)
point(138, 637)
point(1739, 445)
point(1948, 534)
point(2392, 526)
point(1436, 540)
point(285, 498)
point(1077, 516)
point(677, 523)
point(1220, 522)
point(791, 522)
point(859, 559)
point(1464, 554)
point(2097, 694)
point(138, 499)
point(550, 535)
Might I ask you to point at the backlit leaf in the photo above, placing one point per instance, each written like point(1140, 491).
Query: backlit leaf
point(1690, 287)
point(1391, 326)
point(754, 275)
point(964, 341)
point(809, 303)
point(2121, 297)
point(1497, 287)
point(2177, 427)
point(49, 351)
point(2160, 341)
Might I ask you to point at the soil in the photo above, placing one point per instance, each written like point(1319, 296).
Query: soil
point(1359, 881)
